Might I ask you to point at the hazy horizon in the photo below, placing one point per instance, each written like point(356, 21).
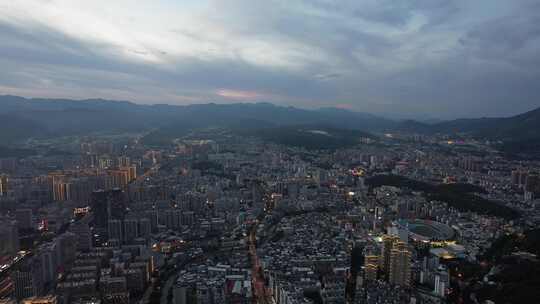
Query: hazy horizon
point(392, 116)
point(419, 59)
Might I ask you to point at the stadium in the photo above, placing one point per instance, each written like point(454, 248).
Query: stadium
point(428, 231)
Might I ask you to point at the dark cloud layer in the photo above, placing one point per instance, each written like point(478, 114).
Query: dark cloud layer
point(406, 58)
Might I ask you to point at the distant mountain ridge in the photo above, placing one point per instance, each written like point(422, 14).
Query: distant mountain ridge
point(519, 133)
point(38, 117)
point(503, 128)
point(48, 117)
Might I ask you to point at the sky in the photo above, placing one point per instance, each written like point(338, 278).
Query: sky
point(414, 58)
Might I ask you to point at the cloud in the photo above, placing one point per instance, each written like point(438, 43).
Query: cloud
point(444, 58)
point(239, 95)
point(345, 106)
point(327, 76)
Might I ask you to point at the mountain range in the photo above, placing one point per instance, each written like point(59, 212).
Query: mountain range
point(24, 118)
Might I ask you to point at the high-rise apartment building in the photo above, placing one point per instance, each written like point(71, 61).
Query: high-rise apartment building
point(84, 235)
point(66, 247)
point(532, 183)
point(124, 161)
point(107, 205)
point(28, 279)
point(386, 251)
point(145, 228)
point(131, 230)
point(3, 185)
point(400, 265)
point(371, 266)
point(48, 257)
point(9, 236)
point(115, 230)
point(24, 218)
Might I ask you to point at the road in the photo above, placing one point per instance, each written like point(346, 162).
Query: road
point(261, 294)
point(145, 299)
point(166, 290)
